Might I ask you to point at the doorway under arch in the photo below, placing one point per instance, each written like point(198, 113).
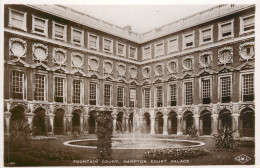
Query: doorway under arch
point(76, 121)
point(39, 122)
point(158, 123)
point(59, 122)
point(205, 118)
point(247, 123)
point(172, 123)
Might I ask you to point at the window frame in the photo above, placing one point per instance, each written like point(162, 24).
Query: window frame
point(97, 42)
point(81, 38)
point(24, 83)
point(150, 55)
point(111, 45)
point(241, 32)
point(64, 87)
point(96, 82)
point(111, 92)
point(45, 74)
point(169, 50)
point(220, 37)
point(155, 95)
point(201, 89)
point(150, 98)
point(45, 33)
point(169, 93)
point(124, 49)
point(241, 74)
point(81, 90)
point(64, 39)
point(121, 86)
point(10, 24)
point(156, 48)
point(184, 92)
point(135, 56)
point(220, 87)
point(184, 35)
point(132, 88)
point(201, 42)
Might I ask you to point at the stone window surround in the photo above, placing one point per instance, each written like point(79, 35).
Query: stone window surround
point(111, 45)
point(183, 91)
point(155, 95)
point(22, 70)
point(169, 92)
point(64, 88)
point(241, 73)
point(44, 73)
point(111, 92)
point(45, 33)
point(229, 74)
point(94, 81)
point(220, 29)
point(143, 95)
point(124, 49)
point(209, 77)
point(150, 55)
point(135, 57)
point(97, 42)
point(24, 27)
point(81, 39)
point(64, 31)
point(156, 47)
point(184, 35)
point(81, 88)
point(201, 36)
point(124, 89)
point(168, 41)
point(242, 24)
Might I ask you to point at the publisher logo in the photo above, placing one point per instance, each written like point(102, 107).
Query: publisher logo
point(243, 158)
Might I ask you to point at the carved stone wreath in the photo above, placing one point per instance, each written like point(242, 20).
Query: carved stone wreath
point(77, 60)
point(224, 59)
point(146, 71)
point(59, 56)
point(17, 47)
point(243, 52)
point(108, 66)
point(184, 66)
point(158, 69)
point(203, 63)
point(121, 69)
point(40, 52)
point(133, 72)
point(172, 66)
point(93, 63)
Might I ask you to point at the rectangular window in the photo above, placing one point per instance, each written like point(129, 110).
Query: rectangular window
point(247, 24)
point(159, 49)
point(173, 95)
point(77, 37)
point(17, 85)
point(39, 25)
point(206, 35)
point(120, 96)
point(132, 97)
point(188, 93)
point(225, 89)
point(59, 89)
point(39, 92)
point(173, 45)
point(17, 19)
point(188, 40)
point(248, 87)
point(107, 95)
point(132, 52)
point(226, 30)
point(121, 49)
point(146, 53)
point(93, 41)
point(107, 45)
point(93, 94)
point(205, 91)
point(147, 98)
point(159, 96)
point(76, 91)
point(59, 31)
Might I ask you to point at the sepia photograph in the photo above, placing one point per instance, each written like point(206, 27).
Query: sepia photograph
point(128, 85)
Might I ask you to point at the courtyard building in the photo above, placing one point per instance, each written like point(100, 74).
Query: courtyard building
point(61, 67)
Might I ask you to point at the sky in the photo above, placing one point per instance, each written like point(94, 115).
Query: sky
point(142, 18)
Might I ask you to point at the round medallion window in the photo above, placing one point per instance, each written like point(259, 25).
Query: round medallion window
point(60, 57)
point(225, 56)
point(146, 72)
point(40, 53)
point(93, 64)
point(133, 72)
point(121, 70)
point(172, 66)
point(77, 61)
point(17, 49)
point(205, 60)
point(188, 63)
point(159, 70)
point(108, 67)
point(248, 52)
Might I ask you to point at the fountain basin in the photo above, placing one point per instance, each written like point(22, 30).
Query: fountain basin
point(137, 143)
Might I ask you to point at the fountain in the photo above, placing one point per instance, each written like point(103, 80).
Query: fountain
point(138, 139)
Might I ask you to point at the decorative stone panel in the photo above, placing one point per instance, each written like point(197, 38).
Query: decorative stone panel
point(17, 47)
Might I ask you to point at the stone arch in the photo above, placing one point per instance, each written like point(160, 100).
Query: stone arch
point(92, 125)
point(17, 115)
point(59, 124)
point(39, 121)
point(158, 122)
point(60, 108)
point(120, 122)
point(224, 118)
point(205, 122)
point(247, 122)
point(172, 122)
point(76, 115)
point(187, 121)
point(146, 122)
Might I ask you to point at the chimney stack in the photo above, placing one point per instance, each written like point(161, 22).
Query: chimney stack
point(129, 28)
